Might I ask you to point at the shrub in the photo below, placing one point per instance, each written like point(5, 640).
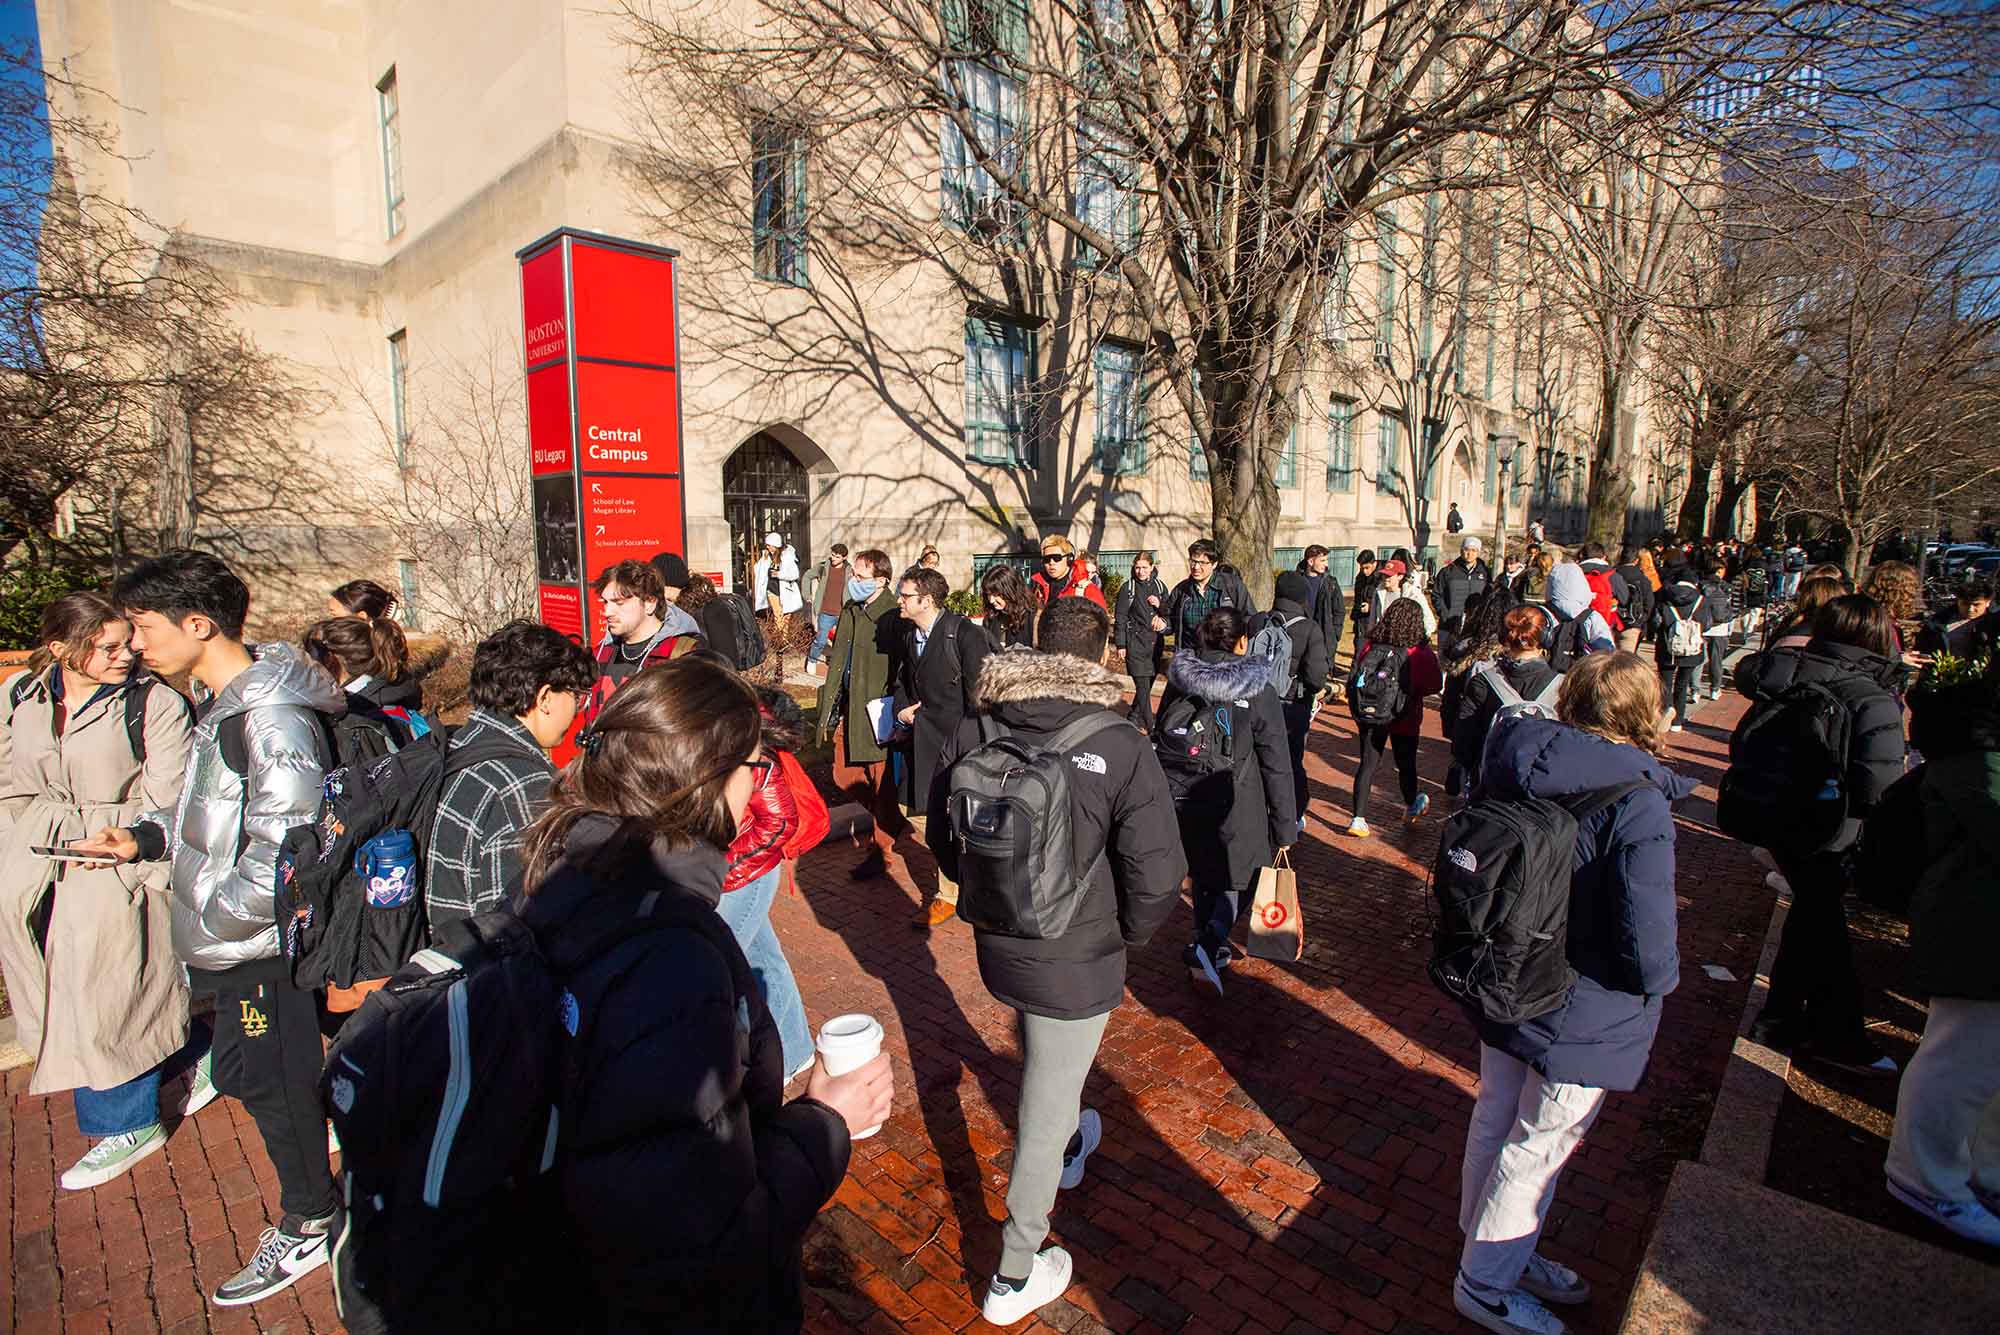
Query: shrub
point(965, 602)
point(26, 590)
point(1112, 583)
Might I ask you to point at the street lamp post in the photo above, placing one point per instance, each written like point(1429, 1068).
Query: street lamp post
point(1504, 446)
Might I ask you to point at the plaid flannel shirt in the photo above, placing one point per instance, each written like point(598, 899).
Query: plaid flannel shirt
point(482, 816)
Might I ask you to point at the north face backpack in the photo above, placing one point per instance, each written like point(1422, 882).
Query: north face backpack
point(1272, 640)
point(350, 886)
point(1195, 741)
point(1602, 599)
point(448, 1089)
point(1010, 812)
point(748, 650)
point(1566, 642)
point(1786, 786)
point(1502, 884)
point(1379, 690)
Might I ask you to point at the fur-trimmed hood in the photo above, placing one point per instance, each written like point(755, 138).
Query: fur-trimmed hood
point(1219, 679)
point(1017, 675)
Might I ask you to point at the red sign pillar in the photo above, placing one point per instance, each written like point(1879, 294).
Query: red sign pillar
point(602, 342)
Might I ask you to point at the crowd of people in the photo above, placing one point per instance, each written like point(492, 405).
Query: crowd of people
point(155, 948)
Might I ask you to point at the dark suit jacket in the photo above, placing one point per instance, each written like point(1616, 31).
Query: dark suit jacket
point(941, 681)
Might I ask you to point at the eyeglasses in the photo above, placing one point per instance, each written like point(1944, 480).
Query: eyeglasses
point(1053, 558)
point(761, 767)
point(1200, 561)
point(903, 597)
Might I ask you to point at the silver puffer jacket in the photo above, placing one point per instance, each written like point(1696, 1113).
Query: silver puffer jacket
point(223, 910)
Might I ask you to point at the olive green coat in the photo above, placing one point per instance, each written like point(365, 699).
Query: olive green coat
point(865, 644)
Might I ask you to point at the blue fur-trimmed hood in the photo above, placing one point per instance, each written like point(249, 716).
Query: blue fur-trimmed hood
point(1221, 679)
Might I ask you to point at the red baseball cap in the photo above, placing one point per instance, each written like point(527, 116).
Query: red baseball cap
point(1394, 567)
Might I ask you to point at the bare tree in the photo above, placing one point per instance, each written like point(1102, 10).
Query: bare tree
point(135, 413)
point(1175, 176)
point(458, 505)
point(1899, 369)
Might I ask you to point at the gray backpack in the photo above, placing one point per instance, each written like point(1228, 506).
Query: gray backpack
point(1513, 704)
point(1273, 640)
point(1010, 814)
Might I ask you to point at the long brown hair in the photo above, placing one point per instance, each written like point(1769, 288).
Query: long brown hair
point(366, 598)
point(1859, 620)
point(1616, 696)
point(358, 648)
point(1894, 584)
point(658, 759)
point(77, 619)
point(1022, 599)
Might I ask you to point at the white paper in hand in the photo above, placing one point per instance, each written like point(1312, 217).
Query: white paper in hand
point(882, 717)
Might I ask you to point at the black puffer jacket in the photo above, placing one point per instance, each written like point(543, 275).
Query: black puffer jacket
point(1859, 680)
point(1132, 625)
point(1329, 607)
point(1227, 841)
point(1478, 703)
point(406, 692)
point(1120, 804)
point(688, 1182)
point(1637, 608)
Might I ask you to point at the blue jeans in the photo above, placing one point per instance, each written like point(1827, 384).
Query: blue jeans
point(134, 1105)
point(748, 914)
point(823, 638)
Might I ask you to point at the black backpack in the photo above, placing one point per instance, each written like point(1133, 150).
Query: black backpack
point(1786, 786)
point(1010, 812)
point(349, 891)
point(449, 1089)
point(137, 693)
point(748, 650)
point(1566, 643)
point(1502, 883)
point(1379, 690)
point(1195, 741)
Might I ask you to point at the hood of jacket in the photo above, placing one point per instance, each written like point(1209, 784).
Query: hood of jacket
point(1023, 675)
point(1569, 591)
point(1286, 609)
point(1215, 676)
point(1681, 597)
point(279, 675)
point(1538, 757)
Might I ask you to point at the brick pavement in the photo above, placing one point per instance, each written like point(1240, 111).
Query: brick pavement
point(1280, 1161)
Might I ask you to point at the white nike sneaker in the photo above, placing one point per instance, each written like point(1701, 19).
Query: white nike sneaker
point(1516, 1313)
point(1554, 1283)
point(1091, 1127)
point(1006, 1304)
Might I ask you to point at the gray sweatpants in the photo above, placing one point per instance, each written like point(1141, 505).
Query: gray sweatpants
point(1056, 1058)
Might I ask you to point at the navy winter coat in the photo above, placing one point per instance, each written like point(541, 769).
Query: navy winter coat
point(1621, 908)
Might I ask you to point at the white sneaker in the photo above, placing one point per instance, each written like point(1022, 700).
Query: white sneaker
point(114, 1156)
point(1516, 1313)
point(1553, 1282)
point(1358, 828)
point(1676, 728)
point(1006, 1304)
point(1715, 694)
point(1091, 1127)
point(1968, 1219)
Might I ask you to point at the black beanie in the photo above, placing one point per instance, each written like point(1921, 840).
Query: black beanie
point(1292, 587)
point(673, 570)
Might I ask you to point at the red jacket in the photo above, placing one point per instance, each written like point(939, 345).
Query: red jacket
point(1093, 590)
point(769, 822)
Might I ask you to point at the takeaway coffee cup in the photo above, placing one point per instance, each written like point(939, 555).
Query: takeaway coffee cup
point(847, 1042)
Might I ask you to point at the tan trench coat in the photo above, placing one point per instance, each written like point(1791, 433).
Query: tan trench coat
point(105, 999)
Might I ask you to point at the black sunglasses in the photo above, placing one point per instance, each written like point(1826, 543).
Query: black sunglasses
point(1053, 558)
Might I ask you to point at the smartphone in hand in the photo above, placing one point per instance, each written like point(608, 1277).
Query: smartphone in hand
point(57, 854)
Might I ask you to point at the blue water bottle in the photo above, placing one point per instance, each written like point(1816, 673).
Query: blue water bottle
point(387, 864)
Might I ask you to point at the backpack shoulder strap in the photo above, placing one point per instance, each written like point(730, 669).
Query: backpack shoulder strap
point(1080, 729)
point(1585, 805)
point(19, 692)
point(1503, 690)
point(991, 729)
point(1547, 697)
point(232, 742)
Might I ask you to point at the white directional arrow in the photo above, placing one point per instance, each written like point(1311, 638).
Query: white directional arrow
point(600, 530)
point(597, 488)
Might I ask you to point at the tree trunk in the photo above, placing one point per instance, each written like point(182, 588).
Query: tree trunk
point(1701, 462)
point(1727, 498)
point(1610, 489)
point(1245, 532)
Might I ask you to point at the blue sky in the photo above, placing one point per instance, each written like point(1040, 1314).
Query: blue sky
point(17, 29)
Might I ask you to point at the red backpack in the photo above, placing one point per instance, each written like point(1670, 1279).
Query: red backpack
point(1602, 600)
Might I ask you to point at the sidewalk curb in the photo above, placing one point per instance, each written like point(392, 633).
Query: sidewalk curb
point(1745, 1115)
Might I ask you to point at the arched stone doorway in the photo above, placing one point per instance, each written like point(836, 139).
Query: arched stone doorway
point(765, 489)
